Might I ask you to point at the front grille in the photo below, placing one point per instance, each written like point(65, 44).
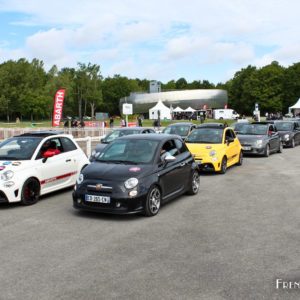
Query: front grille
point(104, 189)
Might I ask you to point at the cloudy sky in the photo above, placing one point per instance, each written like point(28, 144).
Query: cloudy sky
point(159, 40)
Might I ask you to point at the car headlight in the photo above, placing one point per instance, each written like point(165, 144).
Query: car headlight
point(259, 143)
point(131, 183)
point(287, 137)
point(7, 175)
point(212, 153)
point(80, 179)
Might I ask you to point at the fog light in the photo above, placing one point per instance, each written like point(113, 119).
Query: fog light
point(78, 200)
point(118, 204)
point(214, 159)
point(132, 193)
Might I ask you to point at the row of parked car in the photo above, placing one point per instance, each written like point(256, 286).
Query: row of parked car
point(132, 170)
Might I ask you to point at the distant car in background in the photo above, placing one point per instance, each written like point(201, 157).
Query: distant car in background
point(259, 138)
point(116, 134)
point(289, 132)
point(181, 129)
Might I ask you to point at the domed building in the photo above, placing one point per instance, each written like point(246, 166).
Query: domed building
point(200, 99)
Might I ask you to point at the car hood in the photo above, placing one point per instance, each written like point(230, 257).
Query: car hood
point(116, 172)
point(203, 149)
point(100, 147)
point(282, 133)
point(17, 165)
point(250, 138)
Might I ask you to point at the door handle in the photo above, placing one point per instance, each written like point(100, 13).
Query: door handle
point(68, 160)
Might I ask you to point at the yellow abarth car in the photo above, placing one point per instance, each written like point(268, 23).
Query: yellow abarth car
point(215, 147)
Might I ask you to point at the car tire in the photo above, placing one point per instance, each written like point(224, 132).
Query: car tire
point(30, 192)
point(153, 201)
point(267, 151)
point(223, 165)
point(221, 118)
point(293, 143)
point(194, 184)
point(280, 149)
point(240, 162)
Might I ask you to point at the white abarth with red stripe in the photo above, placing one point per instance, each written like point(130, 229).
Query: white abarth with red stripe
point(29, 167)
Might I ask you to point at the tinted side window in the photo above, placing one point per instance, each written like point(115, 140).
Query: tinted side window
point(180, 146)
point(67, 144)
point(170, 147)
point(232, 133)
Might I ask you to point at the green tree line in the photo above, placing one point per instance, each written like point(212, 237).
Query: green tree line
point(27, 91)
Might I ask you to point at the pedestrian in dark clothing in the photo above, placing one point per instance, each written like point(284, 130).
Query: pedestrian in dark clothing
point(111, 122)
point(140, 122)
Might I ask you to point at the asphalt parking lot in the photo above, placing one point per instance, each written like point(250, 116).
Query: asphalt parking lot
point(231, 241)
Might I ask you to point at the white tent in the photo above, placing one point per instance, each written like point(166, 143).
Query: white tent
point(295, 107)
point(189, 109)
point(178, 109)
point(159, 111)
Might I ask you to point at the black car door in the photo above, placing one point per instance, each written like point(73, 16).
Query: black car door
point(273, 138)
point(296, 132)
point(172, 174)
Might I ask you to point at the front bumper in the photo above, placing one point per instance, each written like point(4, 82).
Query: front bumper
point(253, 150)
point(118, 205)
point(208, 165)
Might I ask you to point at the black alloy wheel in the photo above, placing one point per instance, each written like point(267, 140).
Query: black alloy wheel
point(30, 192)
point(153, 201)
point(240, 162)
point(267, 151)
point(224, 165)
point(194, 184)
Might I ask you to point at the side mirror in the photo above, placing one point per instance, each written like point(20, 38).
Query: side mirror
point(169, 158)
point(48, 154)
point(102, 140)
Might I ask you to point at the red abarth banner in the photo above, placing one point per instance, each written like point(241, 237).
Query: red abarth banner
point(58, 106)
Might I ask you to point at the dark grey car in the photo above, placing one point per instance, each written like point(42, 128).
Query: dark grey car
point(181, 129)
point(259, 138)
point(289, 132)
point(116, 134)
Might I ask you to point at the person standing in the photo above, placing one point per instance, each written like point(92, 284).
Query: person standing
point(111, 122)
point(140, 122)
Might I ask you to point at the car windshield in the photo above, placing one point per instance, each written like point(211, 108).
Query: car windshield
point(179, 130)
point(237, 126)
point(284, 126)
point(253, 129)
point(18, 148)
point(129, 151)
point(206, 136)
point(118, 133)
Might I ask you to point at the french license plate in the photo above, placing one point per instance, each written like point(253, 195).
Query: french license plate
point(98, 199)
point(246, 148)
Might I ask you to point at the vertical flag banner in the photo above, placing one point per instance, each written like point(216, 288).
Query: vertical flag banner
point(58, 107)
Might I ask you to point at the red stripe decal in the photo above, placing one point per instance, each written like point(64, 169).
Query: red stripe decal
point(58, 177)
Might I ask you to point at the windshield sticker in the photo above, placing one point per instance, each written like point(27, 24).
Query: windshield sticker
point(2, 168)
point(6, 163)
point(135, 169)
point(16, 163)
